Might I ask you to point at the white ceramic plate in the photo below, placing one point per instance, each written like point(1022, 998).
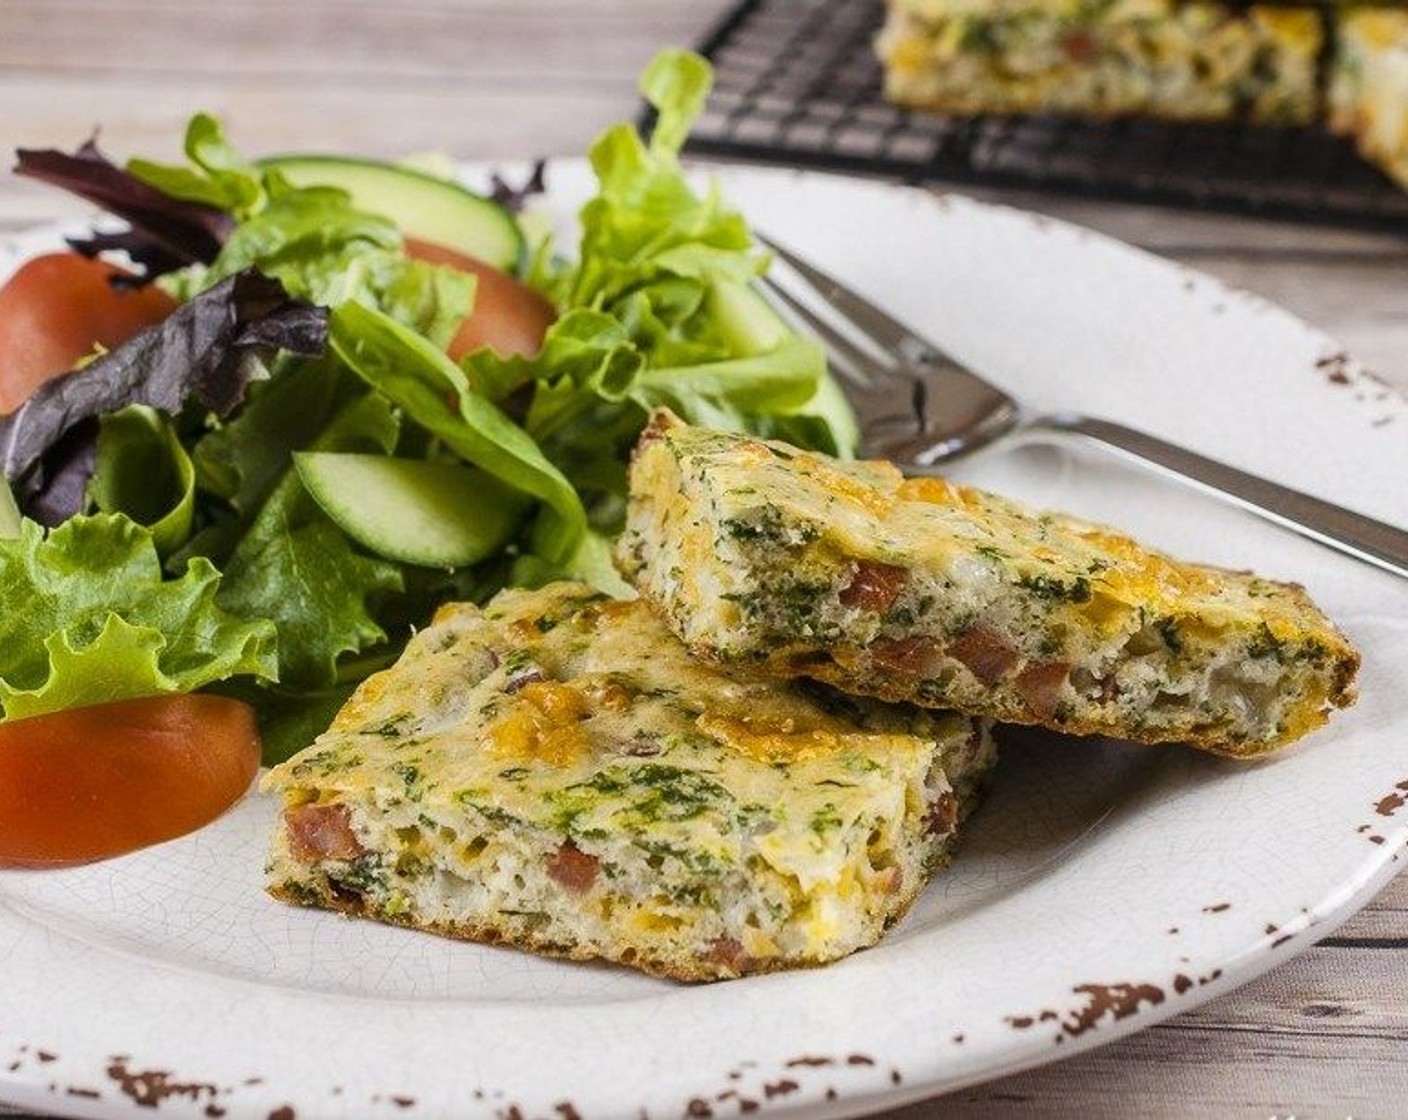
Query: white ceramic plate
point(1101, 888)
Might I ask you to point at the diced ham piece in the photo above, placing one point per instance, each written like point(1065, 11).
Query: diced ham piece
point(573, 868)
point(889, 880)
point(943, 815)
point(987, 653)
point(874, 587)
point(1040, 686)
point(910, 657)
point(318, 832)
point(726, 952)
point(1080, 46)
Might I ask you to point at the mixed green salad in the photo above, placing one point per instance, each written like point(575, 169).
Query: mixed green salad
point(263, 494)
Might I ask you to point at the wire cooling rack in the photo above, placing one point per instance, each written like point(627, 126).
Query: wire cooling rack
point(797, 82)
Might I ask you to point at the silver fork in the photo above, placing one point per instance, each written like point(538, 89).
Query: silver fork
point(918, 407)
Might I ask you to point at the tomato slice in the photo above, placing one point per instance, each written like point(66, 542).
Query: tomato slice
point(508, 316)
point(89, 783)
point(55, 309)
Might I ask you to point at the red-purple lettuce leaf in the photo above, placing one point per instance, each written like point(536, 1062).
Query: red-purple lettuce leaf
point(199, 353)
point(167, 233)
point(515, 198)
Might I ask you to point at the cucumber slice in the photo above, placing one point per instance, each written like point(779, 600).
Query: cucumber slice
point(438, 515)
point(424, 207)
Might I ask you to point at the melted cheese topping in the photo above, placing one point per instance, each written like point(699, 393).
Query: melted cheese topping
point(543, 724)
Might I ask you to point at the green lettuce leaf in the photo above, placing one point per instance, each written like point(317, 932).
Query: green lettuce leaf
point(295, 567)
point(316, 588)
point(436, 394)
point(144, 471)
point(325, 250)
point(313, 239)
point(99, 623)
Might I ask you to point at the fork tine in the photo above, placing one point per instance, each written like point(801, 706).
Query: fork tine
point(890, 334)
point(846, 359)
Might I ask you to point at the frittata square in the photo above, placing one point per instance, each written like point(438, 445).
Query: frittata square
point(920, 590)
point(554, 771)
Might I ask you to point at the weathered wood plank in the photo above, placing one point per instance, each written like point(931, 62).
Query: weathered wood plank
point(1181, 1071)
point(146, 115)
point(1322, 1036)
point(480, 43)
point(1314, 1039)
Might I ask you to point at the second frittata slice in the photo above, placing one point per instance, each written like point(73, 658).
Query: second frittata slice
point(919, 590)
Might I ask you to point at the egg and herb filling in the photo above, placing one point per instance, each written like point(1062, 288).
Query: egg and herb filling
point(1180, 59)
point(554, 772)
point(923, 591)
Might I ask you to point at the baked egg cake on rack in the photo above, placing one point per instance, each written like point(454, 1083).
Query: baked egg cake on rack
point(1177, 59)
point(1329, 63)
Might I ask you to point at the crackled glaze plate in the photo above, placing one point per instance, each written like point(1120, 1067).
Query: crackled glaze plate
point(1100, 889)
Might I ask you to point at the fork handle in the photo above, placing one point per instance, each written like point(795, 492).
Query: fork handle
point(1364, 538)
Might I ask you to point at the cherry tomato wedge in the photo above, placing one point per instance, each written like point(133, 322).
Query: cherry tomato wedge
point(53, 311)
point(89, 783)
point(508, 316)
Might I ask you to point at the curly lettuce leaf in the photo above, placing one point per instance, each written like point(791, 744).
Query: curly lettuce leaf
point(312, 239)
point(325, 250)
point(646, 222)
point(583, 350)
point(304, 236)
point(660, 310)
point(99, 622)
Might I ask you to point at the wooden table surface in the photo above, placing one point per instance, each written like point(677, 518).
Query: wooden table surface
point(1323, 1036)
